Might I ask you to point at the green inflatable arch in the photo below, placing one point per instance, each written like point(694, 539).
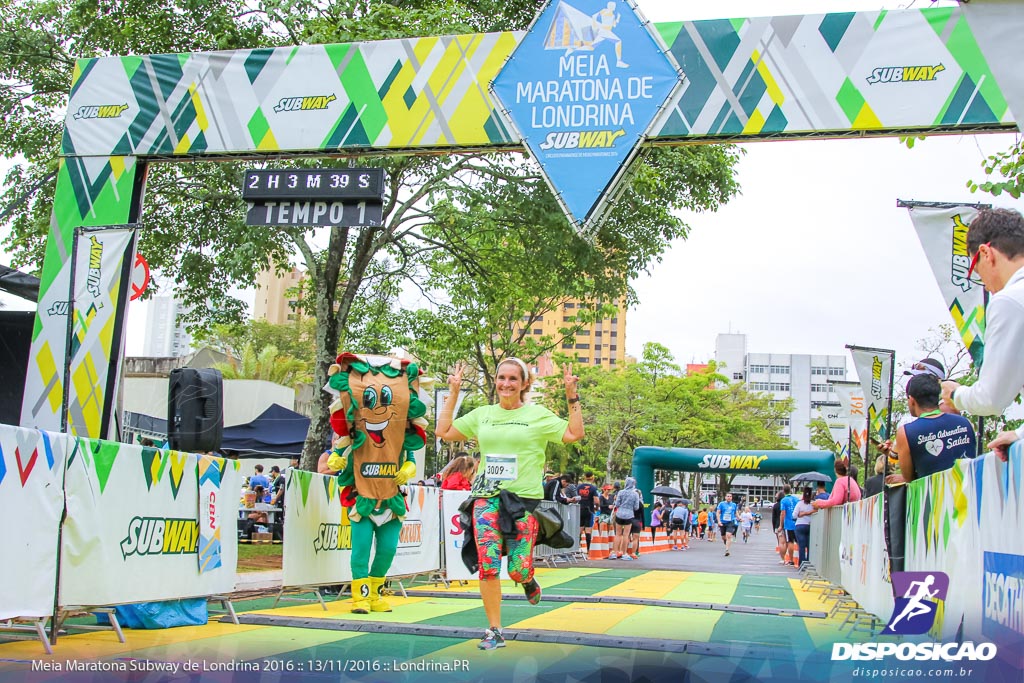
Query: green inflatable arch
point(648, 458)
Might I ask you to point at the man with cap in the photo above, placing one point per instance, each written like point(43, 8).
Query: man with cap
point(935, 440)
point(929, 366)
point(995, 242)
point(551, 484)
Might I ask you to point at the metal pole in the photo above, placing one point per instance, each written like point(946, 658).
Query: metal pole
point(65, 399)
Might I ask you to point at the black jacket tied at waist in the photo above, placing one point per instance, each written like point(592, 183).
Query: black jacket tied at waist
point(511, 508)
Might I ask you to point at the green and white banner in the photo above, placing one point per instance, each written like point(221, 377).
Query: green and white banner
point(32, 491)
point(874, 369)
point(132, 528)
point(942, 230)
point(318, 533)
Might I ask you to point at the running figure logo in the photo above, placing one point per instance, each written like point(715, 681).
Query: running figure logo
point(573, 30)
point(914, 613)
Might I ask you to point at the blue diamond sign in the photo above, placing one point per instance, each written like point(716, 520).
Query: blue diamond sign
point(582, 89)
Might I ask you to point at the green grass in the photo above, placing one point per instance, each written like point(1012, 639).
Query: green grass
point(259, 556)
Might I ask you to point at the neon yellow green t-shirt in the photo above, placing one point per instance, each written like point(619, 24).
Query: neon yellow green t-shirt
point(514, 441)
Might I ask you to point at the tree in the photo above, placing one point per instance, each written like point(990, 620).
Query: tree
point(458, 214)
point(650, 404)
point(267, 364)
point(1005, 171)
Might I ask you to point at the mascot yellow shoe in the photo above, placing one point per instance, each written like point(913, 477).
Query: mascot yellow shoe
point(361, 596)
point(377, 601)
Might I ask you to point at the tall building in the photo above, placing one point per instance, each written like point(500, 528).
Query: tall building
point(600, 343)
point(166, 336)
point(276, 297)
point(802, 377)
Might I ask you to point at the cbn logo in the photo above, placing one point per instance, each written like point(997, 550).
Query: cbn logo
point(378, 470)
point(583, 139)
point(311, 103)
point(102, 111)
point(905, 74)
point(160, 536)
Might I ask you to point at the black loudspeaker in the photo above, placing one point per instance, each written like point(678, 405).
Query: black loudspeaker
point(15, 345)
point(195, 409)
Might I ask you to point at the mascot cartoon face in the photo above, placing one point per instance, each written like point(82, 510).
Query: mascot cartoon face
point(382, 407)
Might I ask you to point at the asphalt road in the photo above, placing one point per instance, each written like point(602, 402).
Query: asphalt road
point(757, 556)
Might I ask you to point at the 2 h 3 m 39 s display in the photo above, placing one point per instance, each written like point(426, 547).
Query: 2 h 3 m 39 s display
point(348, 197)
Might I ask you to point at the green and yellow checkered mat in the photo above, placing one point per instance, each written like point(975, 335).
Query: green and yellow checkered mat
point(310, 636)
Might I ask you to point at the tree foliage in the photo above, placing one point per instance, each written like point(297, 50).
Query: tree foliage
point(1004, 172)
point(650, 403)
point(480, 235)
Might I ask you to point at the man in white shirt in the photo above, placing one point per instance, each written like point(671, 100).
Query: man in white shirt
point(996, 240)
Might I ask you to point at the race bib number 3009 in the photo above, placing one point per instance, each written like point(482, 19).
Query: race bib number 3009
point(501, 468)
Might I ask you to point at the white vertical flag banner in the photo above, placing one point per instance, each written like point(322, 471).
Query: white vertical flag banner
point(836, 417)
point(851, 400)
point(874, 369)
point(942, 230)
point(99, 282)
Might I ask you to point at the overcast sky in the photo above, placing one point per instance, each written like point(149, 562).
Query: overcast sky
point(814, 254)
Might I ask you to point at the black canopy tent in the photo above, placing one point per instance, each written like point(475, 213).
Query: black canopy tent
point(277, 431)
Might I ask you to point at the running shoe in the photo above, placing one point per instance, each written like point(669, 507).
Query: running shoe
point(636, 557)
point(613, 556)
point(532, 590)
point(492, 639)
point(727, 553)
point(626, 557)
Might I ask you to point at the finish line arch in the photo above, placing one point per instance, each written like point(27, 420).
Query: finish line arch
point(648, 458)
point(743, 79)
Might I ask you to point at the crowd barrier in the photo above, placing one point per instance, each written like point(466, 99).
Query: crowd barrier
point(138, 529)
point(965, 522)
point(131, 528)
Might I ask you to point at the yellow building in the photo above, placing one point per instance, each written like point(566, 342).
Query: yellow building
point(274, 303)
point(601, 343)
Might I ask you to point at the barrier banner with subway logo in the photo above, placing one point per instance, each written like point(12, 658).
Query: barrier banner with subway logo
point(943, 230)
point(31, 488)
point(318, 537)
point(132, 528)
point(318, 533)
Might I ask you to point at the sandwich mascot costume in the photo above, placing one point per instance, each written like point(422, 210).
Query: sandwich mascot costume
point(379, 420)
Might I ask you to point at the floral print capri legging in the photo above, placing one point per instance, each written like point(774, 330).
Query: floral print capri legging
point(487, 529)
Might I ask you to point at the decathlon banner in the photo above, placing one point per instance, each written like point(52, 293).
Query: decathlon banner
point(455, 569)
point(875, 371)
point(851, 401)
point(863, 563)
point(317, 533)
point(32, 491)
point(213, 503)
point(132, 529)
point(983, 559)
point(942, 230)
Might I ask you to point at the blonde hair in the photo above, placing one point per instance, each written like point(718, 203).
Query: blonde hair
point(880, 464)
point(527, 374)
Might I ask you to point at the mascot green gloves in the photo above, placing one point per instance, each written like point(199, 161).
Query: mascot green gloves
point(379, 419)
